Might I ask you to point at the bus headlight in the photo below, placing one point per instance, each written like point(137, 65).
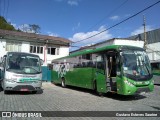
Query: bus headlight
point(128, 83)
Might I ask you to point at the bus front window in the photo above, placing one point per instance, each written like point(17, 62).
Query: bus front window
point(24, 64)
point(136, 63)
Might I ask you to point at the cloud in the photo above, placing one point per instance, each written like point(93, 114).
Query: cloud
point(115, 17)
point(141, 30)
point(73, 2)
point(52, 34)
point(81, 35)
point(70, 2)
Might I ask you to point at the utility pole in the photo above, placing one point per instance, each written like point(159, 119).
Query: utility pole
point(145, 37)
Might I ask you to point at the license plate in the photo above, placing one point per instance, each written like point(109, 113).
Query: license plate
point(23, 89)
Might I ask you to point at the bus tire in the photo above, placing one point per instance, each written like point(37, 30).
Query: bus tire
point(63, 83)
point(5, 92)
point(95, 86)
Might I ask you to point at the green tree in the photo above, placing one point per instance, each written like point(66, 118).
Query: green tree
point(34, 28)
point(5, 25)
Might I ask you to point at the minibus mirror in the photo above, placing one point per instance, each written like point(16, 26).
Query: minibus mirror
point(1, 73)
point(41, 61)
point(0, 60)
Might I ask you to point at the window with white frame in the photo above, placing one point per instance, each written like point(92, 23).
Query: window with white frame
point(36, 49)
point(53, 51)
point(13, 47)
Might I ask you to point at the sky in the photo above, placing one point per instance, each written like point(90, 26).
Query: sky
point(80, 19)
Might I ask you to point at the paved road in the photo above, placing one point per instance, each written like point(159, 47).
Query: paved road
point(56, 98)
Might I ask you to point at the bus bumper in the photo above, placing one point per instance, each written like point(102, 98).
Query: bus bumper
point(14, 86)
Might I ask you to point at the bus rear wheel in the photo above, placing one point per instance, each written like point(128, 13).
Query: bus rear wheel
point(95, 86)
point(63, 83)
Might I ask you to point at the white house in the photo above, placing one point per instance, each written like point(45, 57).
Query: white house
point(47, 47)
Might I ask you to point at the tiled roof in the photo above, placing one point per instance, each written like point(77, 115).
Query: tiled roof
point(32, 36)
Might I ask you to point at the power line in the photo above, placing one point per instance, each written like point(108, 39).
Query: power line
point(7, 9)
point(4, 9)
point(109, 14)
point(120, 22)
point(0, 7)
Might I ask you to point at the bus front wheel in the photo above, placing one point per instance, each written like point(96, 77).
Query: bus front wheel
point(63, 83)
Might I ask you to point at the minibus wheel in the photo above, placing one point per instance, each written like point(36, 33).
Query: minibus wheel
point(34, 92)
point(5, 92)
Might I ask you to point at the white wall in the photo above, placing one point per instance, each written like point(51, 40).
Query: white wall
point(64, 51)
point(25, 47)
point(122, 42)
point(129, 42)
point(153, 51)
point(2, 47)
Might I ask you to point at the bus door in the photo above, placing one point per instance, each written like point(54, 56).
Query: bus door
point(111, 70)
point(100, 74)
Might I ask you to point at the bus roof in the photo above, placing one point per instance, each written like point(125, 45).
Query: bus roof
point(94, 50)
point(22, 53)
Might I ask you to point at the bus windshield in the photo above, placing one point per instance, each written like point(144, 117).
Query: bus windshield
point(136, 63)
point(23, 63)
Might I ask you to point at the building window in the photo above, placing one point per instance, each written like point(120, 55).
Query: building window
point(13, 47)
point(53, 51)
point(86, 56)
point(49, 51)
point(36, 49)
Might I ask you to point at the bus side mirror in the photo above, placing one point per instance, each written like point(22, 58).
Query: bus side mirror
point(41, 61)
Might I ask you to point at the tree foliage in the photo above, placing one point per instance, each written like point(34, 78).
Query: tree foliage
point(5, 25)
point(35, 28)
point(31, 28)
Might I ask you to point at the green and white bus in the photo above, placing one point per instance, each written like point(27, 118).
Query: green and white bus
point(125, 70)
point(21, 72)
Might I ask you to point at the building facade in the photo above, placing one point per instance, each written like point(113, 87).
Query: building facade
point(47, 47)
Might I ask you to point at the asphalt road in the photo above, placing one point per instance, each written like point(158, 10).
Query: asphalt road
point(56, 98)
